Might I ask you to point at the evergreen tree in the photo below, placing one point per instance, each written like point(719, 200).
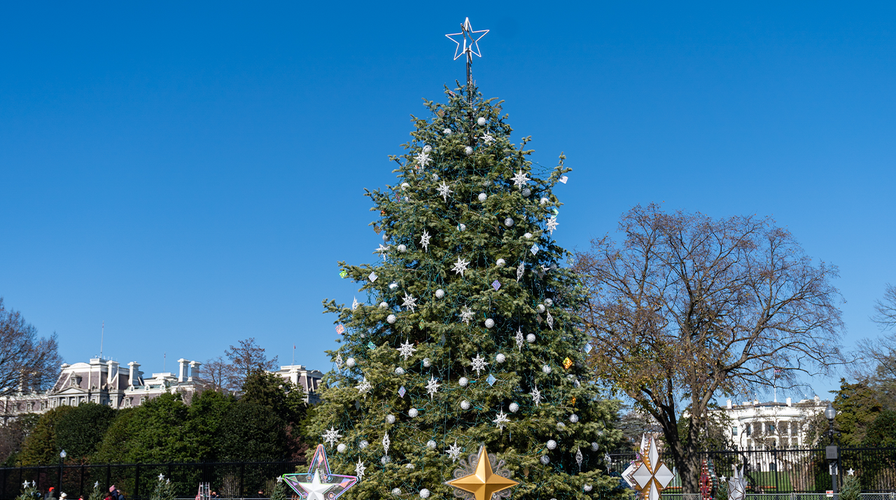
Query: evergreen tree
point(280, 491)
point(95, 493)
point(851, 490)
point(164, 489)
point(469, 334)
point(29, 492)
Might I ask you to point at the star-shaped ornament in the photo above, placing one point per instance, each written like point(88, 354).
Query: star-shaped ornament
point(483, 482)
point(520, 179)
point(460, 266)
point(444, 191)
point(423, 159)
point(432, 387)
point(470, 40)
point(406, 350)
point(536, 396)
point(364, 387)
point(409, 302)
point(331, 436)
point(649, 474)
point(466, 315)
point(318, 483)
point(478, 363)
point(488, 138)
point(453, 451)
point(552, 224)
point(424, 240)
point(500, 420)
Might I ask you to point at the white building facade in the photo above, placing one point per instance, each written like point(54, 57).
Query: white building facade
point(758, 426)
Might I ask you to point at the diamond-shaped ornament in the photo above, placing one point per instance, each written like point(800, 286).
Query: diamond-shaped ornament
point(496, 285)
point(588, 348)
point(491, 379)
point(402, 391)
point(567, 363)
point(534, 250)
point(371, 346)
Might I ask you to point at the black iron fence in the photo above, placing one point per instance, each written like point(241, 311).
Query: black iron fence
point(137, 481)
point(808, 470)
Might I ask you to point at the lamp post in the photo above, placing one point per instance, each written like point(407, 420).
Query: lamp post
point(832, 451)
point(59, 482)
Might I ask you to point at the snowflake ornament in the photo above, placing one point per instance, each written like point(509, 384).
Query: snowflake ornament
point(487, 138)
point(406, 350)
point(453, 451)
point(382, 249)
point(364, 387)
point(423, 159)
point(501, 419)
point(519, 339)
point(424, 240)
point(386, 443)
point(466, 315)
point(410, 303)
point(432, 387)
point(460, 266)
point(478, 363)
point(444, 191)
point(536, 396)
point(520, 269)
point(359, 469)
point(520, 179)
point(331, 436)
point(550, 320)
point(552, 224)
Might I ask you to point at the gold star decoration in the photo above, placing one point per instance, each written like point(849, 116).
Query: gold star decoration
point(483, 482)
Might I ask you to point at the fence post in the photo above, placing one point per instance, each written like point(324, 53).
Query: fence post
point(242, 471)
point(137, 481)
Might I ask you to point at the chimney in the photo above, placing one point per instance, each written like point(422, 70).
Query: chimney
point(132, 374)
point(789, 402)
point(194, 370)
point(112, 373)
point(182, 373)
point(729, 404)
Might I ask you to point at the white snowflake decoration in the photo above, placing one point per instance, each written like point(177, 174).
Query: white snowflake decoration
point(432, 387)
point(488, 138)
point(364, 387)
point(444, 191)
point(422, 160)
point(331, 436)
point(424, 240)
point(339, 360)
point(359, 470)
point(406, 350)
point(520, 269)
point(552, 224)
point(550, 320)
point(466, 315)
point(501, 419)
point(520, 179)
point(382, 249)
point(536, 395)
point(519, 339)
point(386, 444)
point(478, 363)
point(460, 266)
point(453, 451)
point(409, 302)
point(579, 457)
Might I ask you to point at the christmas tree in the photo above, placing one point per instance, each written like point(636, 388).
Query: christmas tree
point(852, 489)
point(468, 334)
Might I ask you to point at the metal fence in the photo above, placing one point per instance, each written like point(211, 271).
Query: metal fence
point(137, 481)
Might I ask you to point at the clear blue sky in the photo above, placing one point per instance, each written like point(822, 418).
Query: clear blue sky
point(191, 172)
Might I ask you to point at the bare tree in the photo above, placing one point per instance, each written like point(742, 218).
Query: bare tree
point(690, 308)
point(27, 362)
point(886, 309)
point(218, 375)
point(247, 358)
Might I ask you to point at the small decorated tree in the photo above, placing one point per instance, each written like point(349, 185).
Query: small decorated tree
point(96, 493)
point(852, 490)
point(164, 490)
point(279, 492)
point(29, 492)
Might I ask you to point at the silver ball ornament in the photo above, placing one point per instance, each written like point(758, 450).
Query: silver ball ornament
point(427, 362)
point(500, 358)
point(587, 488)
point(482, 197)
point(383, 304)
point(350, 362)
point(574, 418)
point(413, 413)
point(408, 466)
point(390, 419)
point(399, 371)
point(500, 263)
point(545, 459)
point(530, 338)
point(402, 248)
point(391, 319)
point(481, 121)
point(427, 148)
point(514, 407)
point(440, 293)
point(341, 448)
point(393, 285)
point(431, 444)
point(395, 491)
point(546, 369)
point(424, 493)
point(552, 444)
point(363, 444)
point(468, 150)
point(594, 446)
point(561, 426)
point(447, 131)
point(489, 323)
point(463, 381)
point(435, 177)
point(461, 227)
point(540, 308)
point(543, 201)
point(465, 405)
point(526, 192)
point(384, 461)
point(508, 222)
point(528, 236)
point(549, 302)
point(405, 185)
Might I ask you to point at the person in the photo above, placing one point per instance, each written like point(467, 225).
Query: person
point(115, 494)
point(50, 494)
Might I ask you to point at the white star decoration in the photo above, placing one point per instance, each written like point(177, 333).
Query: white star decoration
point(319, 483)
point(331, 436)
point(406, 350)
point(460, 266)
point(536, 395)
point(432, 387)
point(552, 224)
point(453, 451)
point(444, 191)
point(519, 339)
point(364, 387)
point(470, 41)
point(487, 138)
point(409, 302)
point(382, 250)
point(359, 469)
point(422, 160)
point(478, 363)
point(501, 419)
point(424, 240)
point(466, 315)
point(520, 179)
